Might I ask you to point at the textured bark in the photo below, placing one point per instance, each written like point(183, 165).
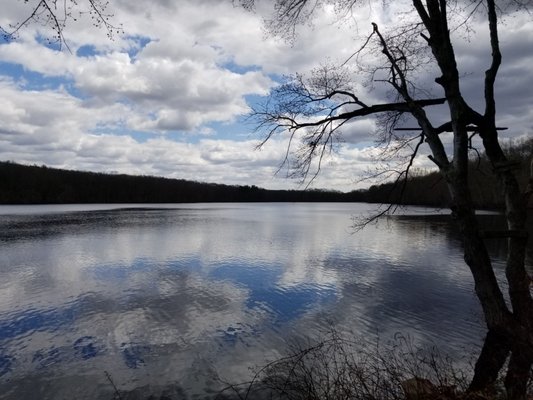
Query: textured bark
point(518, 374)
point(477, 258)
point(495, 351)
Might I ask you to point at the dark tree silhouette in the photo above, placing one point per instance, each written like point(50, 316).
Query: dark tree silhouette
point(313, 110)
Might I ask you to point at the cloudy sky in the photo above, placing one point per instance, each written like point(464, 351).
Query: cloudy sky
point(169, 94)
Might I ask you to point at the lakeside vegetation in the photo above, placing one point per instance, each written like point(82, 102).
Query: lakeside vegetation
point(429, 188)
point(337, 367)
point(23, 184)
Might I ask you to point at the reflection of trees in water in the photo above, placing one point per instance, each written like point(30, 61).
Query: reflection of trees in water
point(41, 226)
point(445, 226)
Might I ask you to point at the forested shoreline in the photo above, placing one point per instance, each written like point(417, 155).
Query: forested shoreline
point(24, 184)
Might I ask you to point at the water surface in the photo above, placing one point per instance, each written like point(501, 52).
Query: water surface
point(183, 296)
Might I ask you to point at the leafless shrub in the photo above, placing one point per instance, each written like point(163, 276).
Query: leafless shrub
point(341, 368)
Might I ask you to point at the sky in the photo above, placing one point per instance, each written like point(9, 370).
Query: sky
point(168, 95)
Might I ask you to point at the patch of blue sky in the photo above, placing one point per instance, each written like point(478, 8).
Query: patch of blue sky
point(239, 69)
point(121, 130)
point(180, 136)
point(255, 99)
point(143, 136)
point(135, 45)
point(234, 130)
point(87, 51)
point(279, 79)
point(138, 44)
point(53, 42)
point(32, 80)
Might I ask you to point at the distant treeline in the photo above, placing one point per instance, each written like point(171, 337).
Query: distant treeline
point(23, 184)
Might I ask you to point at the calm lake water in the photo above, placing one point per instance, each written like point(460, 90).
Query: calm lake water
point(182, 296)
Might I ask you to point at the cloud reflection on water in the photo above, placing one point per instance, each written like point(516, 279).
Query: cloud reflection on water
point(159, 296)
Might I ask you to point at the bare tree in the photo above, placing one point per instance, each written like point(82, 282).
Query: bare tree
point(54, 16)
point(314, 109)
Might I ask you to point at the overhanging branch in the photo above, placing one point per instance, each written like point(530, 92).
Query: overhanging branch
point(447, 127)
point(361, 112)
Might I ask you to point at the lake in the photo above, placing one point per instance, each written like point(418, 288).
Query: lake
point(183, 296)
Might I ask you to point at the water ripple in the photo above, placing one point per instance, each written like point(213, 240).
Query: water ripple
point(159, 296)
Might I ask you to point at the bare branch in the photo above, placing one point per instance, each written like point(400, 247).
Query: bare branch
point(409, 165)
point(56, 14)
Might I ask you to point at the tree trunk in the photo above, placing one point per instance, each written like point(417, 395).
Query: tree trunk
point(518, 374)
point(508, 332)
point(495, 350)
point(521, 331)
